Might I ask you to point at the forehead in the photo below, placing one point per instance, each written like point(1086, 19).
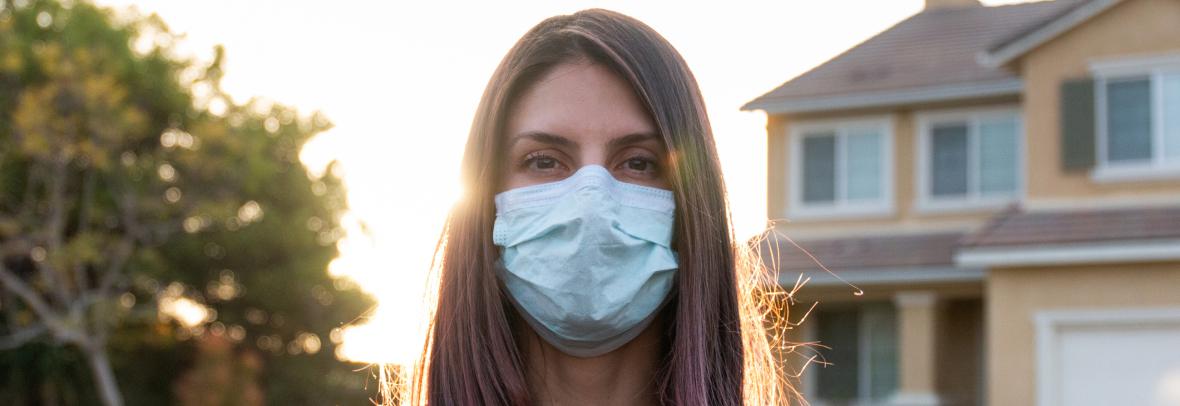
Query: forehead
point(581, 101)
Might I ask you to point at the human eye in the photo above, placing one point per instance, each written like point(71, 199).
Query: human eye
point(542, 163)
point(640, 166)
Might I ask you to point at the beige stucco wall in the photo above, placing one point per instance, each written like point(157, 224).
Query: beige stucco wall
point(917, 337)
point(905, 218)
point(1014, 295)
point(1135, 27)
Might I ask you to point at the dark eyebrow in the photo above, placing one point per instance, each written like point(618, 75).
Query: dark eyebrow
point(629, 139)
point(544, 138)
point(557, 140)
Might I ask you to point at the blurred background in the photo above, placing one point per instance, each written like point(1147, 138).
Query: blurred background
point(236, 202)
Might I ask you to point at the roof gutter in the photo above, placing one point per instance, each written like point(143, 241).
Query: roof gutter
point(888, 97)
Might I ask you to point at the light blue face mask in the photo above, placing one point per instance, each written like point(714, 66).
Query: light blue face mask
point(587, 260)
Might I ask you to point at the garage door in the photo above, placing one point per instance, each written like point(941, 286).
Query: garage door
point(1109, 357)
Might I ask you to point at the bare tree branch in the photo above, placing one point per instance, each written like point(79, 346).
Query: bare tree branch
point(29, 201)
point(128, 211)
point(81, 279)
point(118, 261)
point(21, 337)
point(62, 329)
point(22, 290)
point(108, 390)
point(55, 228)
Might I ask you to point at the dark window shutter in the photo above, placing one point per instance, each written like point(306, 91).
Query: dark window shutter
point(1077, 125)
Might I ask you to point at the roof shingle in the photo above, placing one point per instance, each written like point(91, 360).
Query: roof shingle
point(932, 48)
point(1018, 228)
point(932, 249)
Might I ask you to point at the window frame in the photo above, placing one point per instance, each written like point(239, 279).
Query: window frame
point(973, 200)
point(840, 208)
point(1153, 68)
point(810, 333)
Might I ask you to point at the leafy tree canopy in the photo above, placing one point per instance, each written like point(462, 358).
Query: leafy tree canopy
point(160, 242)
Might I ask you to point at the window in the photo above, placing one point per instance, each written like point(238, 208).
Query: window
point(969, 159)
point(1138, 118)
point(840, 168)
point(863, 354)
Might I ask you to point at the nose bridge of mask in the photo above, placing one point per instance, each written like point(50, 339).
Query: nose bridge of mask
point(594, 187)
point(591, 184)
point(642, 211)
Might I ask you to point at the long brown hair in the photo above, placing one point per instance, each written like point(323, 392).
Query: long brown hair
point(717, 348)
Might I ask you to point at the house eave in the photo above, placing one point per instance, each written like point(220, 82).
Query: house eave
point(882, 275)
point(1128, 251)
point(929, 94)
point(1010, 51)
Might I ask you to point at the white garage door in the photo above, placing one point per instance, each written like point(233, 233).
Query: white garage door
point(1120, 357)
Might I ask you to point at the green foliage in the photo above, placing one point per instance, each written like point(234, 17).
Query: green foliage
point(107, 144)
point(46, 374)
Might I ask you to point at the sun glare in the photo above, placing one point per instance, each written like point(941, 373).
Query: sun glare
point(401, 90)
point(184, 310)
point(395, 269)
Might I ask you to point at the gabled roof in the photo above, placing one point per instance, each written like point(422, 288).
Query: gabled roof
point(930, 56)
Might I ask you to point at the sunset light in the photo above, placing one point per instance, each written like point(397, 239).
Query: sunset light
point(918, 202)
point(400, 84)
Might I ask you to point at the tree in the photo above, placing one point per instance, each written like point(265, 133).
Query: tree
point(131, 188)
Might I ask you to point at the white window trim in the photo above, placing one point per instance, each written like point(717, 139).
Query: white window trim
point(884, 207)
point(973, 201)
point(1153, 67)
point(1049, 324)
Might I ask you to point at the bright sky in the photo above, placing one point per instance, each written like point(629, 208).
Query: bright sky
point(401, 81)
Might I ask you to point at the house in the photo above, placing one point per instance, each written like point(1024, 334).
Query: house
point(1003, 183)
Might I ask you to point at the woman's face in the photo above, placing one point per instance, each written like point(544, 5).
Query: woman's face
point(581, 114)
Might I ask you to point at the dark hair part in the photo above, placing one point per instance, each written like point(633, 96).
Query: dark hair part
point(717, 352)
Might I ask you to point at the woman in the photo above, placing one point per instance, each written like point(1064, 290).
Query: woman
point(592, 260)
